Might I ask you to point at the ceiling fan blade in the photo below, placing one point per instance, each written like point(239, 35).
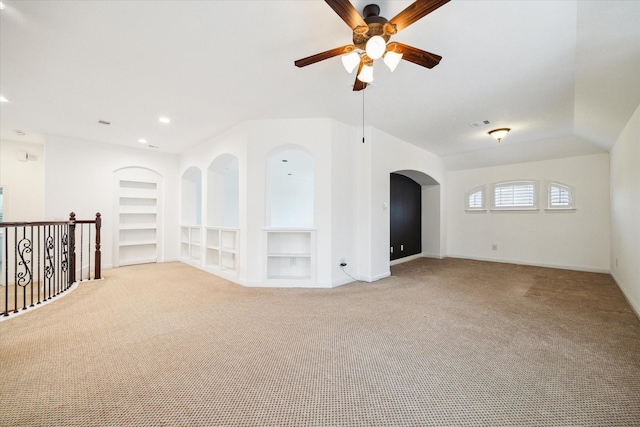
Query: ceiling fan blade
point(359, 85)
point(418, 56)
point(415, 11)
point(324, 55)
point(349, 14)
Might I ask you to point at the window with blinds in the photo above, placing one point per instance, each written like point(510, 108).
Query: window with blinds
point(475, 199)
point(559, 196)
point(515, 195)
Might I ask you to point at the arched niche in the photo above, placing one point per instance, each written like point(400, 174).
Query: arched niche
point(290, 188)
point(430, 212)
point(223, 192)
point(191, 188)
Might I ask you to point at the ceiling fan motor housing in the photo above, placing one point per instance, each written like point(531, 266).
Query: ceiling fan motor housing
point(377, 26)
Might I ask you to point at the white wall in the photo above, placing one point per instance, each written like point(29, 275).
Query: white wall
point(23, 182)
point(575, 240)
point(344, 203)
point(79, 178)
point(625, 211)
point(431, 223)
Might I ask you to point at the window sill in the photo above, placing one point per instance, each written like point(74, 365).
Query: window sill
point(569, 210)
point(475, 210)
point(515, 210)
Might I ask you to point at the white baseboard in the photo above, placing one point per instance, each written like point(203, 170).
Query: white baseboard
point(405, 259)
point(634, 305)
point(534, 264)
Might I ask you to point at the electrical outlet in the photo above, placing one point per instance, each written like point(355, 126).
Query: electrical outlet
point(494, 247)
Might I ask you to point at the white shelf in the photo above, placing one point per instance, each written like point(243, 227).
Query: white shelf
point(148, 226)
point(190, 242)
point(222, 248)
point(137, 232)
point(138, 243)
point(290, 254)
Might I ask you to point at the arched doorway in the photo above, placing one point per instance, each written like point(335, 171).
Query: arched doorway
point(414, 216)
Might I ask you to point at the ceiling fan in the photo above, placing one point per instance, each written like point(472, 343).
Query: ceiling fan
point(371, 34)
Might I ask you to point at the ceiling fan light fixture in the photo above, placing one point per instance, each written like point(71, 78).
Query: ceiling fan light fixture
point(499, 133)
point(366, 74)
point(350, 61)
point(392, 59)
point(375, 47)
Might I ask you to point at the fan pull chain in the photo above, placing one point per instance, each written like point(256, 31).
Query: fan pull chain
point(363, 116)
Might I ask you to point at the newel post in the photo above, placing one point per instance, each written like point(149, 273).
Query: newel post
point(72, 248)
point(98, 261)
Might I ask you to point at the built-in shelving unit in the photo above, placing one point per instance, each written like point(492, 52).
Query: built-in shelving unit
point(137, 222)
point(222, 248)
point(290, 254)
point(190, 243)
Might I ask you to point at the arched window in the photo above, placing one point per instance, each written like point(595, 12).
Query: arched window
point(475, 199)
point(560, 196)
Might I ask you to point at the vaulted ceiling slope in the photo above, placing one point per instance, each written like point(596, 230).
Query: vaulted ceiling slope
point(563, 75)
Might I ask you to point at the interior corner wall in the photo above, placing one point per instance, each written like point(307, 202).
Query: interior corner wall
point(576, 240)
point(625, 208)
point(87, 186)
point(23, 181)
point(344, 202)
point(390, 154)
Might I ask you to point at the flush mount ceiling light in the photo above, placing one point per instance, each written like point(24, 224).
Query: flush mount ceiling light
point(142, 141)
point(371, 34)
point(164, 119)
point(499, 133)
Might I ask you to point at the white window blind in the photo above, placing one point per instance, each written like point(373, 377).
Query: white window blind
point(515, 195)
point(560, 196)
point(475, 199)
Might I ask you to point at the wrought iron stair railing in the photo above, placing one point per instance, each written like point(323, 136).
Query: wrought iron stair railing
point(41, 260)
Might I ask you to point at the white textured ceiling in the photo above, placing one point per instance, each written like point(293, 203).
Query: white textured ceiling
point(563, 75)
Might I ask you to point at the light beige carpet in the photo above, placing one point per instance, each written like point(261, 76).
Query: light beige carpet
point(440, 343)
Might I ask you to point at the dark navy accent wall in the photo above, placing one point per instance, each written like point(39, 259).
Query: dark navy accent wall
point(405, 216)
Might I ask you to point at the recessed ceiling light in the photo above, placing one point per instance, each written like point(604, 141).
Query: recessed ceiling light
point(164, 120)
point(3, 99)
point(142, 141)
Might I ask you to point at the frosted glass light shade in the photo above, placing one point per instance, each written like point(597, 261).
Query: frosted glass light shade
point(375, 47)
point(366, 74)
point(499, 133)
point(350, 61)
point(392, 59)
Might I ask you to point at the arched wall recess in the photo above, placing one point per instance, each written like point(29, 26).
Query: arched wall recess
point(223, 216)
point(191, 187)
point(290, 237)
point(139, 208)
point(223, 192)
point(191, 218)
point(290, 188)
